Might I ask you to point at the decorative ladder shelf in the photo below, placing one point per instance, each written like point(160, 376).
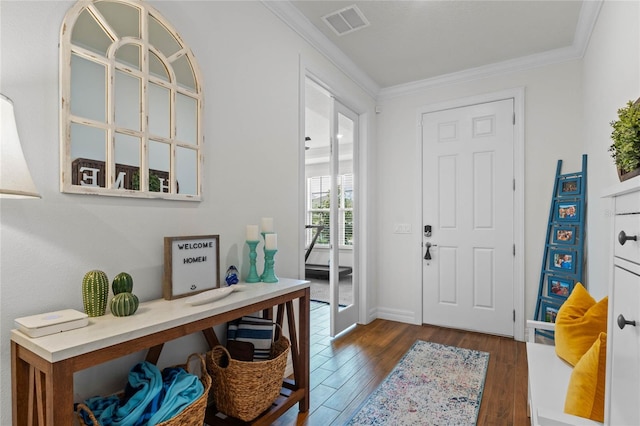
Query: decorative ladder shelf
point(563, 259)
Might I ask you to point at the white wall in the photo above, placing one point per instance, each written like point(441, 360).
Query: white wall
point(553, 130)
point(611, 77)
point(251, 64)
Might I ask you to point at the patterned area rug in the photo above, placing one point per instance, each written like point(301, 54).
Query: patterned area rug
point(432, 384)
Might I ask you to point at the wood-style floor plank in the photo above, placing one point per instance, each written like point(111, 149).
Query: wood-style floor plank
point(345, 370)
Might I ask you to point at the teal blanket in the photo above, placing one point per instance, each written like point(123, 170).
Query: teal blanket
point(151, 397)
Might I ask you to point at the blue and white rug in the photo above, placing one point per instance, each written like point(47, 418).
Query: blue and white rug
point(432, 384)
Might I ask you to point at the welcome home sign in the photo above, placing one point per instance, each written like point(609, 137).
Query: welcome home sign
point(191, 265)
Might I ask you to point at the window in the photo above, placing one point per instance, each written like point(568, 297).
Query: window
point(318, 209)
point(131, 104)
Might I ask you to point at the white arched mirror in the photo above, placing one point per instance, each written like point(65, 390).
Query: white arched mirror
point(131, 104)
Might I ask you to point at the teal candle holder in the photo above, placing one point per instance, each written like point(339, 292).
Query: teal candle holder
point(253, 276)
point(269, 274)
point(264, 249)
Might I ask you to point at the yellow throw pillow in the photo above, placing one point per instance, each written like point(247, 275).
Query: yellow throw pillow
point(585, 394)
point(579, 322)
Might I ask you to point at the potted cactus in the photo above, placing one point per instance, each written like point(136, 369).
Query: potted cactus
point(95, 289)
point(625, 149)
point(124, 302)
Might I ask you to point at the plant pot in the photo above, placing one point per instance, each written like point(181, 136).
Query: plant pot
point(628, 175)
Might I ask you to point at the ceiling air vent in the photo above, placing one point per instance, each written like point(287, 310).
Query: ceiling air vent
point(345, 21)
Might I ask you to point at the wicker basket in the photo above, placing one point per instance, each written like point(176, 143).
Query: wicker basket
point(193, 415)
point(244, 389)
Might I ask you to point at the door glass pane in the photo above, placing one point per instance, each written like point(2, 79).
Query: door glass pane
point(159, 167)
point(345, 138)
point(318, 189)
point(127, 156)
point(159, 112)
point(127, 101)
point(187, 170)
point(88, 89)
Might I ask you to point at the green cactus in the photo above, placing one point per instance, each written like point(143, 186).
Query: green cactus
point(124, 304)
point(95, 289)
point(122, 283)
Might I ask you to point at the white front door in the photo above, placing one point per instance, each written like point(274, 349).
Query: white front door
point(468, 201)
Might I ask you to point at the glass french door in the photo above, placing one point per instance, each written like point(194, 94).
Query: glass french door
point(331, 203)
point(343, 294)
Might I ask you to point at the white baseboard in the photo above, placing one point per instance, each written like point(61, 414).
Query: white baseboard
point(408, 317)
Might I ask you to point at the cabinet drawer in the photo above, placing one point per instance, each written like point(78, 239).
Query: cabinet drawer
point(628, 203)
point(630, 225)
point(624, 346)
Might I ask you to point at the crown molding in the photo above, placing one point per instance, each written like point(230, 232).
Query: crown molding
point(291, 16)
point(586, 22)
point(500, 68)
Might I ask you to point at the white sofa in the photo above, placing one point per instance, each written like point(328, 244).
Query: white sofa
point(548, 380)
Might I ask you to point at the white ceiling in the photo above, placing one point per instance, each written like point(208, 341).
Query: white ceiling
point(413, 43)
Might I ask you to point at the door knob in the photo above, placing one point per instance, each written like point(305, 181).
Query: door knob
point(623, 237)
point(427, 255)
point(622, 322)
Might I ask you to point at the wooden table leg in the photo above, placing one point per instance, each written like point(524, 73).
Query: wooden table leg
point(302, 377)
point(210, 336)
point(21, 389)
point(279, 320)
point(295, 351)
point(153, 354)
point(59, 394)
point(39, 392)
point(42, 393)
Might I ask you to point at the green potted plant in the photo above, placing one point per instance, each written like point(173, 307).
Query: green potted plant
point(625, 149)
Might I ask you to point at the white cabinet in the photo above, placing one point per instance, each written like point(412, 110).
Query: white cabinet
point(622, 406)
point(625, 386)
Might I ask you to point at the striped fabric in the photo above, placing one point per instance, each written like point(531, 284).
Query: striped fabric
point(255, 330)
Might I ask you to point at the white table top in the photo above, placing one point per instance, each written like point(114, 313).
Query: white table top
point(151, 317)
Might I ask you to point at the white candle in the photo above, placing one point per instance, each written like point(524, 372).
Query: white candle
point(266, 224)
point(252, 233)
point(271, 242)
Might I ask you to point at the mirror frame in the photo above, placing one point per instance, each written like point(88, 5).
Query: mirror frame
point(68, 48)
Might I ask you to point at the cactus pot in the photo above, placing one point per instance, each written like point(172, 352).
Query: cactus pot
point(95, 289)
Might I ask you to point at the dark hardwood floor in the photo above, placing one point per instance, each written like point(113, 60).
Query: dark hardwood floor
point(345, 370)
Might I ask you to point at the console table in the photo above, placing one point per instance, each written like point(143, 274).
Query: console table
point(42, 368)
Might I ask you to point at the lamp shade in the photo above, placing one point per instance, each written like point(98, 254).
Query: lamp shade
point(15, 179)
